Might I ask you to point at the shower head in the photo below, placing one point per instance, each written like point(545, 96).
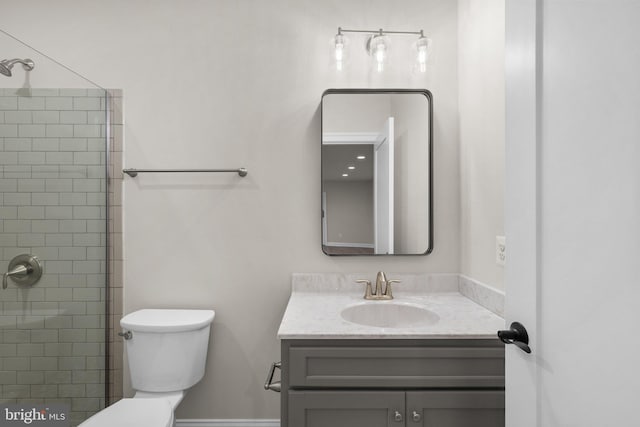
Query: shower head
point(7, 64)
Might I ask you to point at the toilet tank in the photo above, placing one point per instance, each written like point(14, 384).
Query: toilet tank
point(167, 350)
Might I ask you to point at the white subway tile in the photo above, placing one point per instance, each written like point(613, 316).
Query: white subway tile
point(46, 117)
point(31, 103)
point(46, 144)
point(30, 350)
point(59, 131)
point(59, 103)
point(59, 158)
point(17, 199)
point(87, 239)
point(18, 117)
point(59, 185)
point(31, 158)
point(44, 335)
point(30, 239)
point(73, 253)
point(8, 185)
point(85, 267)
point(31, 212)
point(47, 172)
point(8, 131)
point(15, 364)
point(58, 377)
point(73, 117)
point(8, 158)
point(86, 294)
point(58, 349)
point(71, 390)
point(31, 131)
point(8, 240)
point(44, 199)
point(86, 131)
point(41, 391)
point(76, 172)
point(17, 226)
point(73, 280)
point(78, 199)
point(73, 144)
point(73, 307)
point(8, 103)
point(86, 212)
point(58, 212)
point(73, 226)
point(48, 254)
point(86, 158)
point(30, 185)
point(44, 363)
point(58, 267)
point(74, 335)
point(17, 144)
point(8, 377)
point(88, 103)
point(58, 322)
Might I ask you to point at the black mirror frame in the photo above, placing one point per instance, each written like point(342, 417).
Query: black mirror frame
point(429, 97)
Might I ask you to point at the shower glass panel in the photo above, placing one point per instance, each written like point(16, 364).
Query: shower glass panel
point(53, 205)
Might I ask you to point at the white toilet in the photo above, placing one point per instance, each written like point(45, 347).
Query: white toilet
point(167, 352)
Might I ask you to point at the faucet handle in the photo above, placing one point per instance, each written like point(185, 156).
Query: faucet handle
point(367, 290)
point(387, 290)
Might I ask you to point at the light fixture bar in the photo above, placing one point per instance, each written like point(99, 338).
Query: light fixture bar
point(380, 31)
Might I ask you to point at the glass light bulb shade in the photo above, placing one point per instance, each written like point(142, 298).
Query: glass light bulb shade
point(339, 47)
point(422, 49)
point(378, 47)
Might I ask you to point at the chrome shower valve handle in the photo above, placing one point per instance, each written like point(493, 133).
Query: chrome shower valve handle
point(24, 269)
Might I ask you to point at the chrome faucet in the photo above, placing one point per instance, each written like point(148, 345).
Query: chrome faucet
point(381, 279)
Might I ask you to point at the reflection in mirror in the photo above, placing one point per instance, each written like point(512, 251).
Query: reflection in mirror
point(376, 172)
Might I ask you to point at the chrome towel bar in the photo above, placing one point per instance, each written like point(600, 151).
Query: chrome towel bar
point(134, 172)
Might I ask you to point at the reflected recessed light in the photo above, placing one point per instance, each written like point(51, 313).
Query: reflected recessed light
point(345, 174)
point(361, 157)
point(351, 167)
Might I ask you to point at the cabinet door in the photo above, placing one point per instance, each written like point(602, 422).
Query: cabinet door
point(455, 409)
point(346, 409)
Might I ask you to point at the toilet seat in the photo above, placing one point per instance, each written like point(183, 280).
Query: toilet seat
point(134, 413)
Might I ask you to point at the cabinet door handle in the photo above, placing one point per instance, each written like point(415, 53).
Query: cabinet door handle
point(397, 417)
point(416, 417)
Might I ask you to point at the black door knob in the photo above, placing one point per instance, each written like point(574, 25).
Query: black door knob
point(517, 334)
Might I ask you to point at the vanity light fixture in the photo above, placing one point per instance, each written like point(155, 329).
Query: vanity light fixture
point(377, 46)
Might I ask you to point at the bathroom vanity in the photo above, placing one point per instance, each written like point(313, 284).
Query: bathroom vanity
point(443, 369)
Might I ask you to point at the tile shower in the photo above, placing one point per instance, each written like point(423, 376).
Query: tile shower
point(54, 342)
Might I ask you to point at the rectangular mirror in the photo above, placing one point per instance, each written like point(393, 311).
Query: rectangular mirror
point(377, 172)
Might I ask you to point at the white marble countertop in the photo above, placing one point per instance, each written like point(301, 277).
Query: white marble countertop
point(317, 300)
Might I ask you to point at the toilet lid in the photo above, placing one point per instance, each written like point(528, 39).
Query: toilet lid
point(134, 413)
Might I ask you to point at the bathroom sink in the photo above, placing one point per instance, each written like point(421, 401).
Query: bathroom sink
point(389, 315)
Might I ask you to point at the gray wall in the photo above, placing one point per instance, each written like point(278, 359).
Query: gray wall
point(349, 211)
point(238, 83)
point(482, 124)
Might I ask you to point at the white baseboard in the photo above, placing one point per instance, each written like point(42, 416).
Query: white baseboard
point(228, 423)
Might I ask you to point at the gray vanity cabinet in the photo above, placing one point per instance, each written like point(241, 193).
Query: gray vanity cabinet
point(392, 383)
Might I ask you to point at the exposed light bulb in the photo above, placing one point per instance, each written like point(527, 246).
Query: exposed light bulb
point(422, 53)
point(378, 49)
point(340, 46)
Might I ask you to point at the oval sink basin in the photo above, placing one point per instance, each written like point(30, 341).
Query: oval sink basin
point(389, 315)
